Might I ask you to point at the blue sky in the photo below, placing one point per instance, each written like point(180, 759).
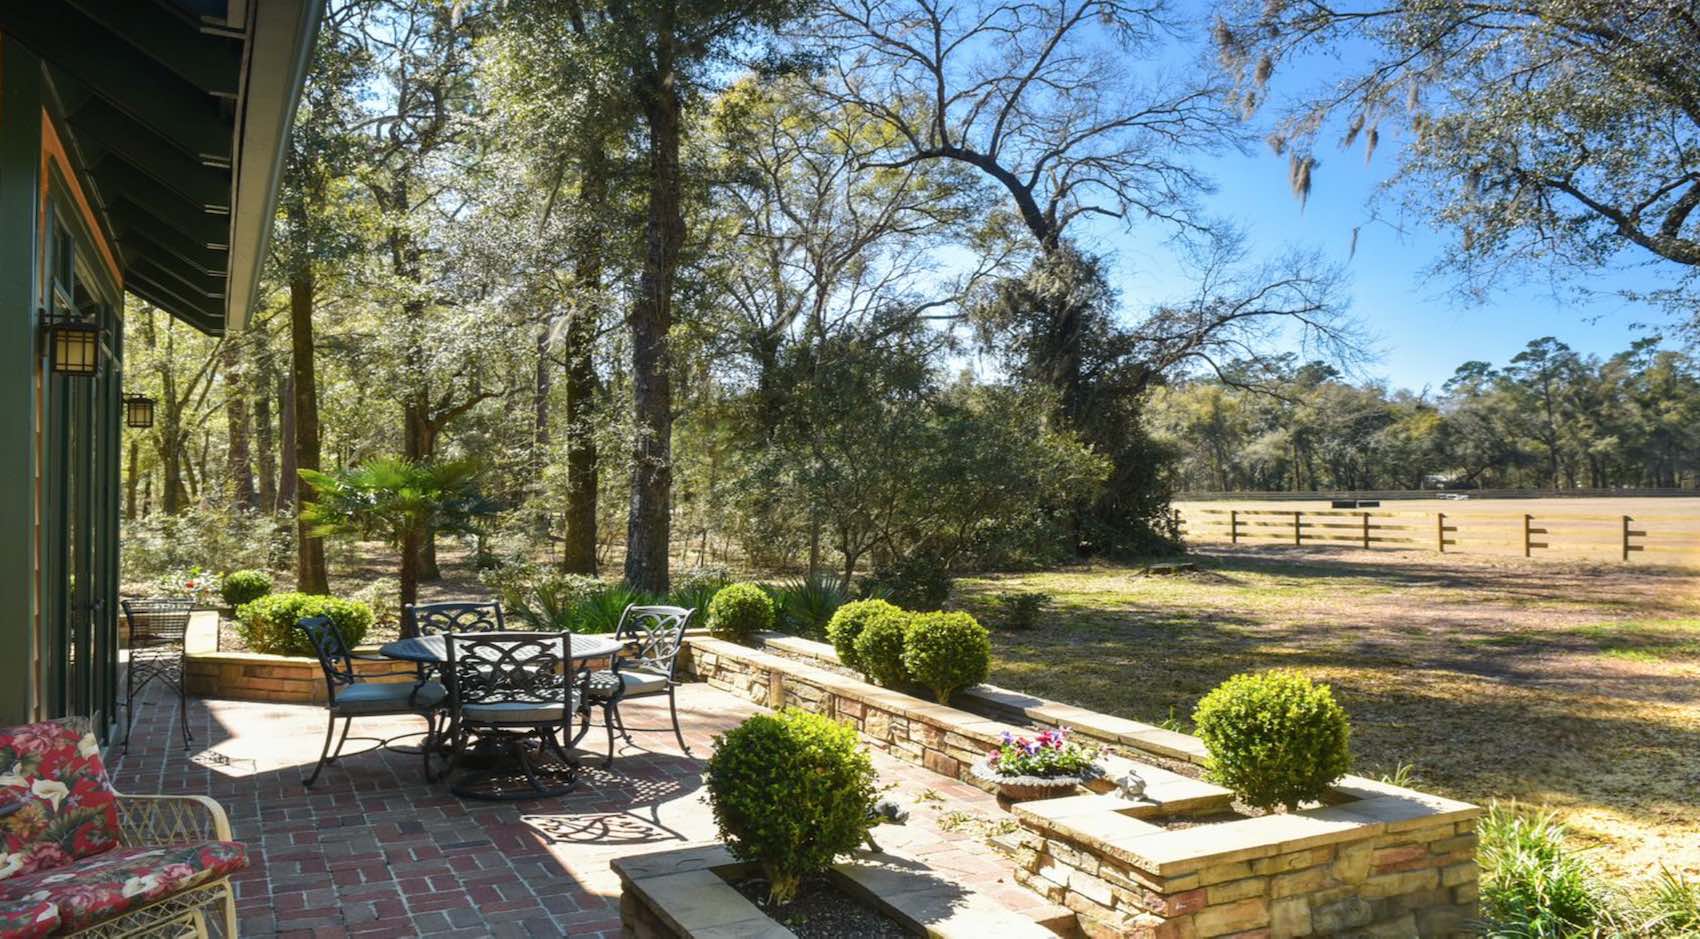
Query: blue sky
point(1420, 330)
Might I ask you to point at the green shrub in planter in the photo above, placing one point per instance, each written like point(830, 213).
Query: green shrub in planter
point(947, 652)
point(1274, 737)
point(879, 646)
point(268, 624)
point(739, 611)
point(791, 791)
point(847, 624)
point(241, 587)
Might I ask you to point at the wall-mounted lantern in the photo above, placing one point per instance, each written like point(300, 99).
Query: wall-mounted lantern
point(138, 411)
point(74, 346)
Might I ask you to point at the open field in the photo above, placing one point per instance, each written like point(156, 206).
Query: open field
point(1556, 683)
point(1657, 530)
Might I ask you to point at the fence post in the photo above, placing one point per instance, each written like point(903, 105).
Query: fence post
point(1528, 521)
point(1233, 526)
point(1626, 537)
point(1440, 532)
point(1297, 538)
point(1366, 529)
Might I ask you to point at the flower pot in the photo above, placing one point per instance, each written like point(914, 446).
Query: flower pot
point(1029, 788)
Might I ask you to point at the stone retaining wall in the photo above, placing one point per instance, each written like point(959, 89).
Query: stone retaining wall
point(1379, 860)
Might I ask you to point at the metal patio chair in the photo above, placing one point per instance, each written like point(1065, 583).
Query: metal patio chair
point(158, 628)
point(655, 634)
point(350, 695)
point(511, 688)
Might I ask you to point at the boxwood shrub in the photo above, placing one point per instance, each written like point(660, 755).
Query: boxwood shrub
point(847, 624)
point(946, 652)
point(791, 791)
point(739, 611)
point(241, 587)
point(1274, 737)
point(268, 624)
point(878, 647)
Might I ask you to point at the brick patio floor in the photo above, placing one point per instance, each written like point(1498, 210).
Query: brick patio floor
point(373, 851)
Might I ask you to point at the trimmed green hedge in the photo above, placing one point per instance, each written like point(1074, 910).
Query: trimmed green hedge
point(1274, 737)
point(739, 611)
point(268, 624)
point(947, 652)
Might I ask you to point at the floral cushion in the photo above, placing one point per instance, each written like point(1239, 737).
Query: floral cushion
point(99, 888)
point(27, 919)
point(56, 803)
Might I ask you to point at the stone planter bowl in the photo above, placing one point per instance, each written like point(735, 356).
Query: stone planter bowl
point(1029, 788)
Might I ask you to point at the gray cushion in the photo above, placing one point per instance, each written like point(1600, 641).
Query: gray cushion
point(636, 680)
point(518, 712)
point(389, 697)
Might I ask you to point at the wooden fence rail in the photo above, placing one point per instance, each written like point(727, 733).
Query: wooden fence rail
point(1528, 534)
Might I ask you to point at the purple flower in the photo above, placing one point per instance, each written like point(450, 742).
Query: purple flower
point(1007, 737)
point(1032, 748)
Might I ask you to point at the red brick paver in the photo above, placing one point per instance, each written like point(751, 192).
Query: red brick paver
point(374, 851)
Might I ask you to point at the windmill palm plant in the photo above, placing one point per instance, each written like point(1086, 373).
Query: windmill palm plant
point(397, 500)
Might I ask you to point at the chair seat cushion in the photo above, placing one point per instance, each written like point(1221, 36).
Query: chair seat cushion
point(27, 919)
point(56, 803)
point(518, 712)
point(389, 697)
point(101, 887)
point(636, 680)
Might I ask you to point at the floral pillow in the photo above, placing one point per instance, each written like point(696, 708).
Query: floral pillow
point(56, 803)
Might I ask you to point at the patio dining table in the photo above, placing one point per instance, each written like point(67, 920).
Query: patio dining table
point(433, 650)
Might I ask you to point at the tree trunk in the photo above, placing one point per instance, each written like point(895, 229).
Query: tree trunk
point(288, 482)
point(648, 527)
point(265, 440)
point(542, 381)
point(130, 481)
point(411, 543)
point(310, 573)
point(578, 552)
point(419, 444)
point(241, 473)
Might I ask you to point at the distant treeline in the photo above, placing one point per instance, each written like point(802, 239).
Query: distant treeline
point(1549, 418)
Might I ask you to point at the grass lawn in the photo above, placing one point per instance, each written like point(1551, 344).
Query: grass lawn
point(1575, 686)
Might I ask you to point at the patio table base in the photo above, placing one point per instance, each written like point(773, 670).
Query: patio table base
point(517, 775)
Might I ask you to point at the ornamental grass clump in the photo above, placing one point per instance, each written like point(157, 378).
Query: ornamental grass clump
point(1274, 738)
point(879, 646)
point(946, 652)
point(739, 611)
point(1534, 885)
point(791, 791)
point(849, 621)
point(1050, 755)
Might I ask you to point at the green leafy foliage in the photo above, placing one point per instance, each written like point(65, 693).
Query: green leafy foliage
point(739, 611)
point(947, 652)
point(1020, 610)
point(1669, 906)
point(204, 537)
point(600, 611)
point(1533, 885)
point(1274, 737)
point(792, 791)
point(695, 589)
point(879, 646)
point(268, 624)
point(919, 581)
point(847, 624)
point(805, 606)
point(241, 587)
point(194, 583)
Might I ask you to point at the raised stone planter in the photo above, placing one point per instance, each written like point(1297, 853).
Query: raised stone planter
point(253, 676)
point(685, 893)
point(1377, 860)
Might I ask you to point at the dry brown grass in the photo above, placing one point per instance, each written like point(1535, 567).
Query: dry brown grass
point(1566, 684)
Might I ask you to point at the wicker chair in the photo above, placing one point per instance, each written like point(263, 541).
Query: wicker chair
point(105, 864)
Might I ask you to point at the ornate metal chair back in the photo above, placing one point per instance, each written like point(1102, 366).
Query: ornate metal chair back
point(509, 667)
point(334, 656)
point(655, 634)
point(435, 619)
point(157, 624)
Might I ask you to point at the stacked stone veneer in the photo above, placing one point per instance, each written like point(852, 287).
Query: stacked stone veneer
point(1379, 860)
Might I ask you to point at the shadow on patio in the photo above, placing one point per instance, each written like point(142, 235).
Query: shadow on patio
point(373, 850)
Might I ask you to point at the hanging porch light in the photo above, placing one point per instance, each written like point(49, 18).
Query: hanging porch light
point(138, 411)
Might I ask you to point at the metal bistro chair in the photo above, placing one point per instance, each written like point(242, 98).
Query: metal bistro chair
point(351, 695)
point(157, 630)
point(655, 634)
point(509, 688)
point(434, 619)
